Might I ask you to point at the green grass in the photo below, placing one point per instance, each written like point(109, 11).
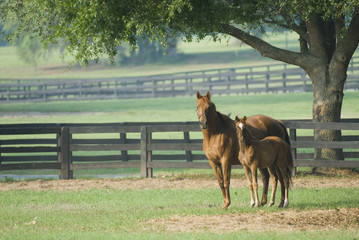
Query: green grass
point(281, 106)
point(124, 214)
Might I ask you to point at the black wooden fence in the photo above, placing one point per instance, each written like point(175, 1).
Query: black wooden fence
point(71, 147)
point(256, 79)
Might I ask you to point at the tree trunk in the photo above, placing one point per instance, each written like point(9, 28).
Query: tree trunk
point(328, 84)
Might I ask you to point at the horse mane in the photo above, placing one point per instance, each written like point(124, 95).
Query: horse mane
point(248, 139)
point(226, 121)
point(220, 116)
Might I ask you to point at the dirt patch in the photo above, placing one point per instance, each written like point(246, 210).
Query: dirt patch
point(261, 221)
point(152, 183)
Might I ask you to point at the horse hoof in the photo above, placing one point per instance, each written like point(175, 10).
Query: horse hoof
point(271, 204)
point(286, 204)
point(225, 205)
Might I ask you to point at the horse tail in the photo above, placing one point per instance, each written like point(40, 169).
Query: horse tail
point(289, 165)
point(286, 136)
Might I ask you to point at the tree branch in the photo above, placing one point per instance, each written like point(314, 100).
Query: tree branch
point(316, 39)
point(339, 23)
point(301, 30)
point(349, 42)
point(303, 42)
point(264, 48)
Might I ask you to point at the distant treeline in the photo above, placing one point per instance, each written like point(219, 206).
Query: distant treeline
point(2, 41)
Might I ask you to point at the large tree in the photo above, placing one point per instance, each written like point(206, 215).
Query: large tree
point(328, 32)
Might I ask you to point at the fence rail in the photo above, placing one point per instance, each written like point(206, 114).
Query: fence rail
point(72, 147)
point(266, 78)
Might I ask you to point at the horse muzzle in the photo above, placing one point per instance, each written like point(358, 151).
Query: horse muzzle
point(203, 124)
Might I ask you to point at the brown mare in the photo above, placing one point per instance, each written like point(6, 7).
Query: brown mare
point(220, 143)
point(270, 152)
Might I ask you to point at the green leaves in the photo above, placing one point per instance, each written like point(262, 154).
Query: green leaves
point(90, 28)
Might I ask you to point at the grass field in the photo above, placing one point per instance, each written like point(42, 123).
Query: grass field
point(110, 212)
point(281, 106)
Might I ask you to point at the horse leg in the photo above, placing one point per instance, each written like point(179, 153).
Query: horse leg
point(218, 172)
point(255, 184)
point(286, 199)
point(265, 180)
point(249, 180)
point(274, 178)
point(226, 168)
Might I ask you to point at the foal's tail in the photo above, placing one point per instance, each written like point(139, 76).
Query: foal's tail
point(289, 165)
point(286, 137)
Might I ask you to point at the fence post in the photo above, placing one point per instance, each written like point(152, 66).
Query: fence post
point(293, 138)
point(247, 84)
point(145, 153)
point(64, 157)
point(228, 84)
point(8, 94)
point(284, 76)
point(123, 140)
point(154, 86)
point(188, 153)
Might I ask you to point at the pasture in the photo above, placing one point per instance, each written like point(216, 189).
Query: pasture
point(175, 208)
point(281, 106)
point(177, 204)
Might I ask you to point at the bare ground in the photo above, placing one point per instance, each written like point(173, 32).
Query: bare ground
point(262, 221)
point(169, 183)
point(289, 220)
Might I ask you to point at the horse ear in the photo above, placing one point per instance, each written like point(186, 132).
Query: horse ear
point(208, 95)
point(237, 119)
point(243, 120)
point(198, 95)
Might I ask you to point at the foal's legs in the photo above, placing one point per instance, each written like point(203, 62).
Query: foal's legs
point(255, 183)
point(247, 170)
point(265, 180)
point(274, 179)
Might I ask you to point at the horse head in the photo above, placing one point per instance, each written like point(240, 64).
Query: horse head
point(241, 127)
point(204, 108)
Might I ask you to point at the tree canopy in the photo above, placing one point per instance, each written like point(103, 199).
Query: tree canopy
point(328, 32)
point(93, 27)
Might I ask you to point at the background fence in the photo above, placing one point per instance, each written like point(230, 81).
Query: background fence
point(257, 79)
point(71, 147)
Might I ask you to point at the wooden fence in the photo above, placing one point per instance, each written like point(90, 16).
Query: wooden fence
point(71, 147)
point(257, 79)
